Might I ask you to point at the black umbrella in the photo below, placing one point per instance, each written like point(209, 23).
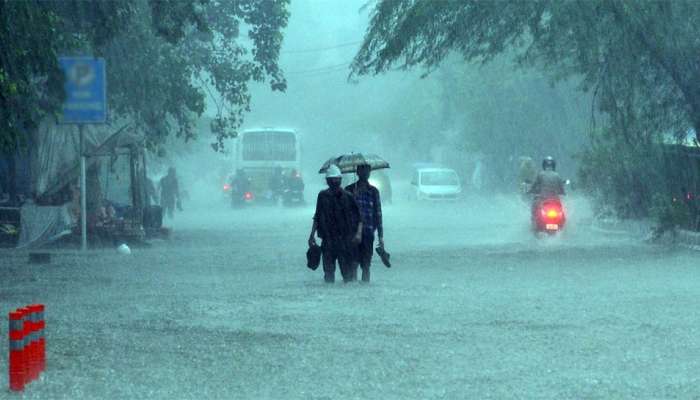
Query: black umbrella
point(349, 162)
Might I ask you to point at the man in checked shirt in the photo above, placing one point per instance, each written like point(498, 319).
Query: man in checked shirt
point(369, 202)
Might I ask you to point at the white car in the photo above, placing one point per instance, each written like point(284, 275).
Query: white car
point(436, 184)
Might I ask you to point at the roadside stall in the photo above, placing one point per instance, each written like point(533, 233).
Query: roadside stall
point(115, 186)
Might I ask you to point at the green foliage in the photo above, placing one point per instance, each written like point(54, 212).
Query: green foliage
point(163, 58)
point(669, 214)
point(623, 175)
point(641, 179)
point(502, 113)
point(637, 59)
point(607, 43)
point(27, 44)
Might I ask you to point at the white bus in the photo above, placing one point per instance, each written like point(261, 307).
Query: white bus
point(268, 148)
point(260, 151)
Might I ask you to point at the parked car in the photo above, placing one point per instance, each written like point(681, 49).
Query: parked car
point(435, 183)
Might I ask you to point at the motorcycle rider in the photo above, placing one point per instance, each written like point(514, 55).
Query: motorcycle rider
point(277, 184)
point(527, 173)
point(548, 184)
point(239, 186)
point(293, 188)
point(294, 181)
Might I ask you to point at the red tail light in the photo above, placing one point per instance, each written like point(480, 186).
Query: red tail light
point(227, 187)
point(551, 213)
point(248, 196)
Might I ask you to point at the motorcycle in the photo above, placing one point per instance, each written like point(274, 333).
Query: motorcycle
point(292, 197)
point(548, 216)
point(241, 199)
point(293, 193)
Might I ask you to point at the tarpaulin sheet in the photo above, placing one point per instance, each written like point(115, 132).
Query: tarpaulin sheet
point(57, 151)
point(56, 155)
point(55, 160)
point(41, 224)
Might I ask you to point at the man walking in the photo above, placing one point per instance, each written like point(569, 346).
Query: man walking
point(369, 202)
point(170, 192)
point(338, 223)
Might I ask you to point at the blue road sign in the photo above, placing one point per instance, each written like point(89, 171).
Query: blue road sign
point(86, 92)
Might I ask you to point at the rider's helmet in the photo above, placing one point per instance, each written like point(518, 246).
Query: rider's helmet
point(549, 162)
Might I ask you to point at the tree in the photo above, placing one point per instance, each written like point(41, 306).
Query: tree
point(158, 54)
point(638, 58)
point(32, 35)
point(502, 114)
point(162, 72)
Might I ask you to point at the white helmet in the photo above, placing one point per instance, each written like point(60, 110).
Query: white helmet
point(333, 172)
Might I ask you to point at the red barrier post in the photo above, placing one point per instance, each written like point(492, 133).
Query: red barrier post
point(34, 366)
point(41, 327)
point(16, 356)
point(26, 344)
point(29, 345)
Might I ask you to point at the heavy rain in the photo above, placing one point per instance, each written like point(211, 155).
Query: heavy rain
point(349, 199)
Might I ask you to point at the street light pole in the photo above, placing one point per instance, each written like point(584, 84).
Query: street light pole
point(83, 191)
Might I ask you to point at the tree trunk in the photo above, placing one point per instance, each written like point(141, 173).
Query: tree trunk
point(12, 177)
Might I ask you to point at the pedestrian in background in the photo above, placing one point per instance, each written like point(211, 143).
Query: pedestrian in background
point(170, 192)
point(338, 223)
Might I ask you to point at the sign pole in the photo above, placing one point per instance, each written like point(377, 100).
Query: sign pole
point(83, 191)
point(86, 103)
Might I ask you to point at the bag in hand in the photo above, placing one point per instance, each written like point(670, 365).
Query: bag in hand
point(313, 257)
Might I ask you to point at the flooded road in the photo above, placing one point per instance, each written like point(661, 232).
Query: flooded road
point(473, 307)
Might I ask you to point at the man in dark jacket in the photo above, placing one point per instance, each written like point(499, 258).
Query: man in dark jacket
point(170, 192)
point(369, 201)
point(338, 223)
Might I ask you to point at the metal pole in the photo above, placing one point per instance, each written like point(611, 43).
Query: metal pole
point(83, 191)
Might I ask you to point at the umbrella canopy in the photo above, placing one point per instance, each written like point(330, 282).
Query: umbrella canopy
point(349, 162)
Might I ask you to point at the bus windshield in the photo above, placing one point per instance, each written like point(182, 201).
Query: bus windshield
point(269, 146)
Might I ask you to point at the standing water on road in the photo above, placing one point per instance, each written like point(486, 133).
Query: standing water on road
point(500, 199)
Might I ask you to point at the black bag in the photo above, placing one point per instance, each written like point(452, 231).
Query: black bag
point(313, 257)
